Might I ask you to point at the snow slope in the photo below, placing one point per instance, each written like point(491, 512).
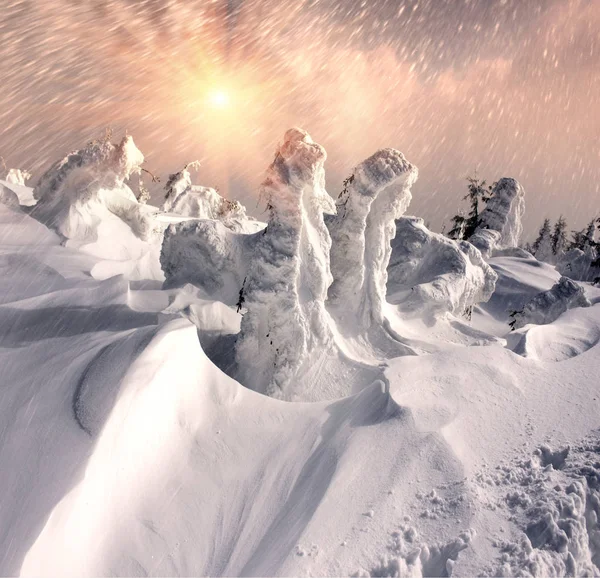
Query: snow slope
point(126, 449)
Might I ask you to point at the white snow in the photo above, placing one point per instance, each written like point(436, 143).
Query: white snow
point(500, 222)
point(547, 306)
point(287, 279)
point(128, 447)
point(377, 193)
point(432, 275)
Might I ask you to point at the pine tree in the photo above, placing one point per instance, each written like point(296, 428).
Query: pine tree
point(543, 234)
point(559, 237)
point(463, 226)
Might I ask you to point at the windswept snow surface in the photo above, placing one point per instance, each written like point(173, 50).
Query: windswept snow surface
point(126, 451)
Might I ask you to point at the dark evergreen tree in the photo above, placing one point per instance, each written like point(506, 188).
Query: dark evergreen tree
point(463, 226)
point(559, 236)
point(543, 234)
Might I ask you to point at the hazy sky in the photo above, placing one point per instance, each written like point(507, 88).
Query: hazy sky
point(507, 87)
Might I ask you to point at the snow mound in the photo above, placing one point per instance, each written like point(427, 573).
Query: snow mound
point(573, 333)
point(579, 265)
point(549, 305)
point(377, 193)
point(500, 222)
point(88, 187)
point(184, 198)
point(430, 275)
point(287, 279)
point(208, 255)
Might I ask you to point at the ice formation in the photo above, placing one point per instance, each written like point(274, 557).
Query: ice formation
point(188, 200)
point(376, 194)
point(430, 275)
point(500, 222)
point(288, 277)
point(80, 191)
point(549, 305)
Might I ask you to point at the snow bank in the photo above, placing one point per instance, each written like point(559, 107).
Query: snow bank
point(184, 198)
point(549, 305)
point(377, 193)
point(430, 275)
point(88, 186)
point(500, 222)
point(288, 277)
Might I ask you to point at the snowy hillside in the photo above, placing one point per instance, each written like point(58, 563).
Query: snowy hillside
point(339, 392)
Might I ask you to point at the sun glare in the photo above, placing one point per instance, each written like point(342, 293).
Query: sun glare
point(219, 99)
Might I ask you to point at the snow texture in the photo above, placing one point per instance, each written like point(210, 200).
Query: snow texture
point(199, 202)
point(549, 305)
point(431, 275)
point(17, 177)
point(577, 264)
point(501, 215)
point(289, 274)
point(208, 255)
point(88, 186)
point(377, 193)
point(8, 197)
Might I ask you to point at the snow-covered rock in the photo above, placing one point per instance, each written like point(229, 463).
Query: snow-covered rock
point(377, 193)
point(549, 305)
point(500, 222)
point(88, 186)
point(288, 277)
point(430, 275)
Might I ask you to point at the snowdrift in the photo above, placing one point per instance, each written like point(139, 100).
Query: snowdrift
point(430, 275)
point(88, 187)
point(546, 307)
point(500, 222)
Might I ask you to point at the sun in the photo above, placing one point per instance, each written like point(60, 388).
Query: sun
point(219, 98)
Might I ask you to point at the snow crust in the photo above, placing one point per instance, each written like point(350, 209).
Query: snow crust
point(431, 275)
point(377, 193)
point(547, 306)
point(500, 222)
